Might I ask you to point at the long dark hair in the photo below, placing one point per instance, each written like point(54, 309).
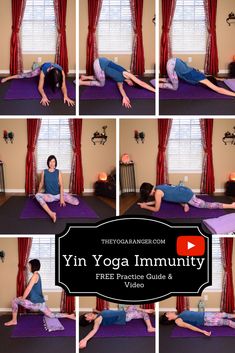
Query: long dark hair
point(54, 78)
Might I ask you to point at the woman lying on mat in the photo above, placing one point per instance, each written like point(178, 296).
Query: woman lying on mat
point(177, 194)
point(103, 68)
point(51, 179)
point(53, 74)
point(32, 298)
point(191, 319)
point(176, 68)
point(114, 317)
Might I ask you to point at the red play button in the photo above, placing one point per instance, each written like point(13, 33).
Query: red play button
point(190, 245)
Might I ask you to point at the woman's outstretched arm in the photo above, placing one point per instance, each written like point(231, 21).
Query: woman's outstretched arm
point(125, 100)
point(139, 82)
point(157, 204)
point(41, 184)
point(83, 342)
point(62, 202)
point(44, 101)
point(217, 89)
point(67, 100)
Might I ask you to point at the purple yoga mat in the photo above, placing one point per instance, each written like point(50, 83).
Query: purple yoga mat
point(110, 91)
point(27, 88)
point(187, 91)
point(216, 331)
point(133, 328)
point(32, 209)
point(32, 326)
point(173, 210)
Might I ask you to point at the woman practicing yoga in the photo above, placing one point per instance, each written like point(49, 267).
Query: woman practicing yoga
point(32, 298)
point(53, 74)
point(176, 68)
point(191, 319)
point(177, 194)
point(103, 68)
point(114, 317)
point(51, 179)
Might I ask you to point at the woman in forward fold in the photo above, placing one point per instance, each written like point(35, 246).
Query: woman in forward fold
point(103, 68)
point(51, 180)
point(114, 317)
point(176, 194)
point(191, 319)
point(33, 299)
point(178, 69)
point(53, 74)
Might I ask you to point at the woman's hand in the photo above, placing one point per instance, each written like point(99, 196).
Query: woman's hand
point(62, 203)
point(45, 101)
point(82, 344)
point(126, 102)
point(207, 333)
point(69, 101)
point(142, 204)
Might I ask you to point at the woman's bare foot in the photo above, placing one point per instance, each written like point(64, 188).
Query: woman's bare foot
point(82, 77)
point(163, 80)
point(3, 80)
point(151, 329)
point(53, 216)
point(10, 323)
point(149, 311)
point(229, 205)
point(186, 207)
point(72, 317)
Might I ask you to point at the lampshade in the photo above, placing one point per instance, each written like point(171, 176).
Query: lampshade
point(125, 158)
point(102, 176)
point(232, 176)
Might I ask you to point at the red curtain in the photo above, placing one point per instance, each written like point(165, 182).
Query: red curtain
point(16, 62)
point(164, 128)
point(137, 59)
point(168, 10)
point(33, 128)
point(24, 246)
point(211, 59)
point(227, 297)
point(60, 7)
point(101, 304)
point(148, 306)
point(182, 303)
point(67, 303)
point(94, 8)
point(76, 185)
point(207, 180)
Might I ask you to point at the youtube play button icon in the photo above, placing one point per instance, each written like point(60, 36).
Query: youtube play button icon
point(190, 245)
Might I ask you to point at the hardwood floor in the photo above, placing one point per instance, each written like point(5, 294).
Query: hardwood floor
point(126, 201)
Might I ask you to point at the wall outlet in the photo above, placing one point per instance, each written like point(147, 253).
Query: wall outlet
point(116, 59)
point(205, 297)
point(39, 59)
point(190, 59)
point(46, 297)
point(185, 178)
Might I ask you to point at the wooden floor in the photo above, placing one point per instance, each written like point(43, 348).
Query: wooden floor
point(109, 202)
point(126, 201)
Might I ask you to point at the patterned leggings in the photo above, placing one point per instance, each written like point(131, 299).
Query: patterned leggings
point(219, 319)
point(133, 312)
point(43, 198)
point(172, 82)
point(199, 203)
point(99, 75)
point(30, 74)
point(27, 304)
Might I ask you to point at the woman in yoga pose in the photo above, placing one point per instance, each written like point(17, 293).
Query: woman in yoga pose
point(176, 68)
point(51, 179)
point(53, 74)
point(177, 194)
point(114, 317)
point(191, 319)
point(32, 298)
point(103, 68)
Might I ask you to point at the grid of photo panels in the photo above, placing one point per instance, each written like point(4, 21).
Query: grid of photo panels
point(108, 108)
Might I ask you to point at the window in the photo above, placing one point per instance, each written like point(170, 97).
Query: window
point(217, 268)
point(115, 28)
point(189, 32)
point(185, 146)
point(39, 27)
point(54, 138)
point(44, 250)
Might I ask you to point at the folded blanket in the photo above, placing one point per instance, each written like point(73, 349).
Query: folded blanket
point(52, 324)
point(221, 225)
